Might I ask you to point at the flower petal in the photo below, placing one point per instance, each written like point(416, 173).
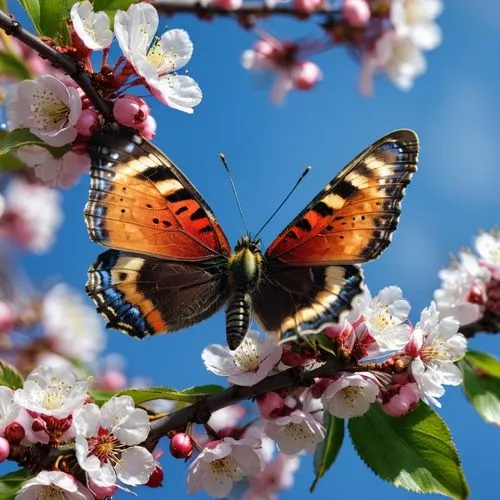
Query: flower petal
point(177, 91)
point(136, 466)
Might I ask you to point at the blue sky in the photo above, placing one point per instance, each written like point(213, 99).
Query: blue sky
point(453, 108)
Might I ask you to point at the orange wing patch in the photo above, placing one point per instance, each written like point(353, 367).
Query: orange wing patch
point(139, 201)
point(352, 219)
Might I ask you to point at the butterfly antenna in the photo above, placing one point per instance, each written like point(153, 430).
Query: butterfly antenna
point(304, 173)
point(233, 187)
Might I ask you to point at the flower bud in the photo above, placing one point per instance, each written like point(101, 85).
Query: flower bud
point(475, 295)
point(130, 110)
point(88, 123)
point(305, 75)
point(403, 401)
point(148, 128)
point(228, 4)
point(4, 449)
point(156, 478)
point(7, 318)
point(14, 432)
point(38, 425)
point(270, 404)
point(307, 6)
point(356, 13)
point(181, 445)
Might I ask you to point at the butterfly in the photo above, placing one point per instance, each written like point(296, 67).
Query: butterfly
point(170, 264)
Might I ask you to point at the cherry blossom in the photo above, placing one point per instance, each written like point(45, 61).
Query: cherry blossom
point(53, 485)
point(276, 476)
point(9, 409)
point(52, 391)
point(295, 432)
point(350, 395)
point(222, 463)
point(226, 417)
point(31, 215)
point(248, 364)
point(488, 247)
point(48, 108)
point(70, 325)
point(158, 60)
point(107, 439)
point(91, 27)
point(435, 346)
point(463, 289)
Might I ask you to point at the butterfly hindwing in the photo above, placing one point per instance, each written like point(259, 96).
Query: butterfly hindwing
point(141, 202)
point(294, 300)
point(144, 295)
point(351, 221)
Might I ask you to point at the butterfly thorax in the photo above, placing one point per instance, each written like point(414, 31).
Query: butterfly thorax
point(245, 263)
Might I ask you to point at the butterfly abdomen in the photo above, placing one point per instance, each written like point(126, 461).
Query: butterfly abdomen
point(238, 317)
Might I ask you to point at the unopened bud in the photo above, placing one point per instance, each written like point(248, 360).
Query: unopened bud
point(181, 445)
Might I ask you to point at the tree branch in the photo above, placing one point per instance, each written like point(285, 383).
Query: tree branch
point(488, 323)
point(247, 10)
point(58, 60)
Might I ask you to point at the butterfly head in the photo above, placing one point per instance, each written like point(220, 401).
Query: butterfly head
point(246, 262)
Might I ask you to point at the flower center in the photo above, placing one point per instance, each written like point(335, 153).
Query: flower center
point(246, 356)
point(226, 467)
point(297, 432)
point(163, 60)
point(439, 351)
point(105, 446)
point(48, 109)
point(49, 493)
point(55, 396)
point(383, 319)
point(350, 395)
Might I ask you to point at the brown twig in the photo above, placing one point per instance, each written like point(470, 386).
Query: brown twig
point(58, 60)
point(489, 323)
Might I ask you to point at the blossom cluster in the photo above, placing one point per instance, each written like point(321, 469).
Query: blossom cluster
point(470, 286)
point(54, 408)
point(389, 37)
point(386, 362)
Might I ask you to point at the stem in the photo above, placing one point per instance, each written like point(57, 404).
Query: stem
point(488, 323)
point(58, 60)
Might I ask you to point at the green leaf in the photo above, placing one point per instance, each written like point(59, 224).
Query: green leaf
point(54, 15)
point(23, 137)
point(482, 390)
point(13, 66)
point(9, 163)
point(111, 6)
point(11, 483)
point(415, 452)
point(139, 396)
point(484, 362)
point(327, 451)
point(32, 8)
point(10, 377)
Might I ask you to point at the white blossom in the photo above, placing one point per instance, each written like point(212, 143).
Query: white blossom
point(488, 247)
point(91, 27)
point(295, 432)
point(222, 463)
point(435, 346)
point(248, 364)
point(350, 395)
point(9, 409)
point(53, 485)
point(463, 289)
point(52, 391)
point(48, 108)
point(71, 326)
point(107, 439)
point(157, 60)
point(33, 213)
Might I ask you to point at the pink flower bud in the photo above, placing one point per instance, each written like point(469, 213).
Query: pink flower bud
point(402, 402)
point(7, 318)
point(270, 404)
point(319, 387)
point(307, 6)
point(38, 425)
point(14, 432)
point(88, 123)
point(130, 110)
point(181, 445)
point(305, 75)
point(475, 295)
point(156, 478)
point(148, 128)
point(264, 48)
point(356, 13)
point(111, 380)
point(4, 449)
point(228, 4)
point(101, 492)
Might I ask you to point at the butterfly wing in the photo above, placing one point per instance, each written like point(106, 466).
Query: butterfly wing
point(141, 202)
point(351, 221)
point(292, 300)
point(310, 278)
point(142, 295)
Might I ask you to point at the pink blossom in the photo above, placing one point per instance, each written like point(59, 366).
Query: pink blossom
point(356, 12)
point(402, 400)
point(4, 449)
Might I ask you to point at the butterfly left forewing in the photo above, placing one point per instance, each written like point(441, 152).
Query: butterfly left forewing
point(352, 219)
point(142, 295)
